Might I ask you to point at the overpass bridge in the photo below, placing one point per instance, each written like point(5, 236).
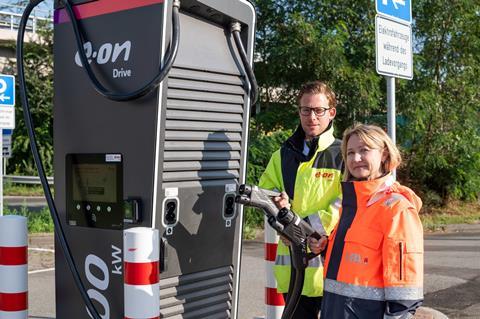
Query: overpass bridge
point(10, 16)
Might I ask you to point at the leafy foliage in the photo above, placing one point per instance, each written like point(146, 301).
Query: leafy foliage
point(443, 102)
point(260, 149)
point(334, 41)
point(37, 221)
point(300, 41)
point(38, 64)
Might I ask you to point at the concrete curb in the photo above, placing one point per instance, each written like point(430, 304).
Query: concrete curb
point(462, 228)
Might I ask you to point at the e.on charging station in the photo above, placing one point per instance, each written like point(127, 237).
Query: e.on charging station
point(170, 159)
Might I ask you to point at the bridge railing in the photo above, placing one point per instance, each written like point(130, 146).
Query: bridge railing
point(10, 16)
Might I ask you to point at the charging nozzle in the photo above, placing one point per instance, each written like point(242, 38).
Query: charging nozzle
point(244, 189)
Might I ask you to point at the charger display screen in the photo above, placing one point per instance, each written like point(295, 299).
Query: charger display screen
point(95, 182)
point(94, 190)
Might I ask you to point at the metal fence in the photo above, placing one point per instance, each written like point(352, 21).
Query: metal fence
point(31, 180)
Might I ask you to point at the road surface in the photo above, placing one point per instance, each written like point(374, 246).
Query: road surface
point(452, 276)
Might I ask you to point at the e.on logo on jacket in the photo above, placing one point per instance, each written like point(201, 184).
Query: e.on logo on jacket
point(324, 175)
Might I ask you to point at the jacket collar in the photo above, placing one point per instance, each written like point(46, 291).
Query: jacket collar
point(296, 141)
point(370, 192)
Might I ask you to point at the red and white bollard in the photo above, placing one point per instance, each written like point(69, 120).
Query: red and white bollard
point(274, 302)
point(141, 278)
point(13, 267)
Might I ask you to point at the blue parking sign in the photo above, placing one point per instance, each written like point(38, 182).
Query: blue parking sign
point(7, 90)
point(400, 10)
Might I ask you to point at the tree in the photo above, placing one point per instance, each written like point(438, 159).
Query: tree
point(38, 63)
point(443, 102)
point(333, 40)
point(299, 41)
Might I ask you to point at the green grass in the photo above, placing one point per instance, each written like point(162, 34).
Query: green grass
point(38, 221)
point(10, 189)
point(438, 222)
point(455, 212)
point(252, 222)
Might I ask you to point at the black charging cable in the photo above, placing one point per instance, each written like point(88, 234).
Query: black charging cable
point(59, 232)
point(146, 88)
point(235, 28)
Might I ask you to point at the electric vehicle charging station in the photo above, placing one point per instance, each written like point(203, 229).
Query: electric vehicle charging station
point(170, 160)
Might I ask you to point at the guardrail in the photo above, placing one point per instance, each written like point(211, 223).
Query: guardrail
point(31, 180)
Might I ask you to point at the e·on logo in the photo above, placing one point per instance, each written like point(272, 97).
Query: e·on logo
point(328, 176)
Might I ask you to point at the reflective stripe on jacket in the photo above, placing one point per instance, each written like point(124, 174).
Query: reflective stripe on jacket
point(313, 184)
point(374, 260)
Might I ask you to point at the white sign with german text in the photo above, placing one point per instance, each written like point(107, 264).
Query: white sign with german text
point(393, 42)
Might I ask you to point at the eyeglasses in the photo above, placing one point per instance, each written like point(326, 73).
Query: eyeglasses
point(318, 111)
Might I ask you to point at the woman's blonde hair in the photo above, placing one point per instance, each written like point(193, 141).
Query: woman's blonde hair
point(376, 138)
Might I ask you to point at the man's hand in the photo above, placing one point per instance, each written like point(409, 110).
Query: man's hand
point(317, 245)
point(282, 201)
point(285, 241)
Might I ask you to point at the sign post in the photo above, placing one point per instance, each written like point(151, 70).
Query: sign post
point(7, 118)
point(7, 142)
point(393, 47)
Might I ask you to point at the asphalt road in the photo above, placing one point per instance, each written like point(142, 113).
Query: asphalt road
point(452, 280)
point(452, 277)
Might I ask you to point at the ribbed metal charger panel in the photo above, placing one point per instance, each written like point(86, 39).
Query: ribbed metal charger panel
point(200, 295)
point(203, 127)
point(202, 148)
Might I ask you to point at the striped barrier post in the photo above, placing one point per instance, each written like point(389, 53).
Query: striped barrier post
point(141, 278)
point(274, 302)
point(13, 267)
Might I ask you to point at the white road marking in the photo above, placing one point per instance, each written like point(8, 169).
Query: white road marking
point(42, 249)
point(40, 271)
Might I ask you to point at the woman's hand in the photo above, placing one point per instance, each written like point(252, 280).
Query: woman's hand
point(317, 245)
point(282, 201)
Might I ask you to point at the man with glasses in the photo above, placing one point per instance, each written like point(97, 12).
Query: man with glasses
point(307, 169)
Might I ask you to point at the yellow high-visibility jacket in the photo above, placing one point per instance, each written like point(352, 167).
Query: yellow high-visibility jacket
point(313, 184)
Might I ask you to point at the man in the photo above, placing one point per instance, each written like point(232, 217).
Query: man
point(308, 168)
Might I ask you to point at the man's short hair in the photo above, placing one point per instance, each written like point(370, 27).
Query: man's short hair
point(318, 87)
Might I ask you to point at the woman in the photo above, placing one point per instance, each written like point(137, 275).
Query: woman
point(374, 259)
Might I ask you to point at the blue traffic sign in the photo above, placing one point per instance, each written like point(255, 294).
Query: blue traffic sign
point(400, 10)
point(7, 90)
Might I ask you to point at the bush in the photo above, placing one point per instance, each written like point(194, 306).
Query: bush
point(38, 64)
point(260, 149)
point(38, 221)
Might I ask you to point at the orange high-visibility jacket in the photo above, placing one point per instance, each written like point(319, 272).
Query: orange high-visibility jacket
point(374, 261)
